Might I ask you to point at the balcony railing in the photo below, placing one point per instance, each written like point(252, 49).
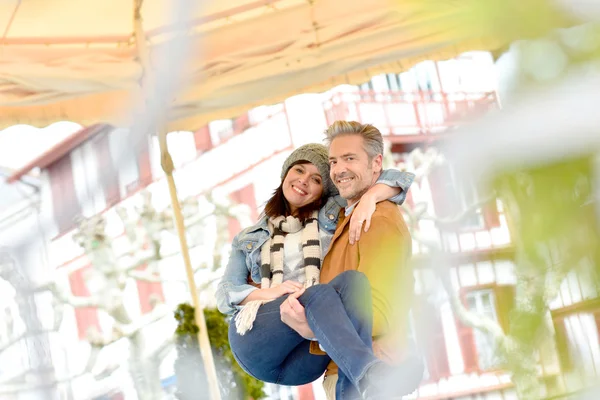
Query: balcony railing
point(405, 117)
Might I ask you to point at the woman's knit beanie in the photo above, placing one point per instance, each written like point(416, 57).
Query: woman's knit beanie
point(318, 155)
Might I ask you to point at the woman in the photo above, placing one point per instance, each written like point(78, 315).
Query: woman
point(283, 252)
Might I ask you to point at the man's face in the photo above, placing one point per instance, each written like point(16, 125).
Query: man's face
point(351, 171)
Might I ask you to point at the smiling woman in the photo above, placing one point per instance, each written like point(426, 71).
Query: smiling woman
point(305, 181)
point(302, 185)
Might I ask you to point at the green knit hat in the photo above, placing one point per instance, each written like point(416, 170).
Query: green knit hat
point(318, 155)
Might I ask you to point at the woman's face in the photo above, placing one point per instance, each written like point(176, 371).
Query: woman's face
point(302, 185)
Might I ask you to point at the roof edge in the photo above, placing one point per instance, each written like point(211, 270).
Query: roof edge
point(59, 150)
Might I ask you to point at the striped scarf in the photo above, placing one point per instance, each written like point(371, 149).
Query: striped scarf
point(271, 257)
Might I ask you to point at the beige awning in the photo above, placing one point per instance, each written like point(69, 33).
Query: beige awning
point(76, 60)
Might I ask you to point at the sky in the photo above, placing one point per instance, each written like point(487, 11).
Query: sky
point(20, 144)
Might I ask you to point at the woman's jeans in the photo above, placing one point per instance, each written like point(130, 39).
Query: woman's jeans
point(340, 315)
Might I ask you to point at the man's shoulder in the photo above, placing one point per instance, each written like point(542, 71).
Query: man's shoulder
point(391, 214)
point(387, 209)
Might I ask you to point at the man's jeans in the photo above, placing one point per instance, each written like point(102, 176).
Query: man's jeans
point(340, 315)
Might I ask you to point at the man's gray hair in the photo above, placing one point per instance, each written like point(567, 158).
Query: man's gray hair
point(372, 139)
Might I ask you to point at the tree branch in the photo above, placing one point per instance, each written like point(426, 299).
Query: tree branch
point(131, 329)
point(25, 335)
point(163, 350)
point(65, 297)
point(438, 263)
point(469, 318)
point(449, 222)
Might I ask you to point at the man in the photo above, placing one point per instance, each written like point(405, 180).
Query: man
point(382, 254)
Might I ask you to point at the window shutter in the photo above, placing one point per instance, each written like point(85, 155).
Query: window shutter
point(144, 166)
point(467, 342)
point(443, 191)
point(429, 335)
point(243, 196)
point(241, 123)
point(491, 215)
point(86, 317)
point(148, 292)
point(409, 200)
point(64, 198)
point(505, 302)
point(109, 177)
point(202, 139)
point(305, 392)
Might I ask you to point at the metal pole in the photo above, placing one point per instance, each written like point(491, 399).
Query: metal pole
point(203, 341)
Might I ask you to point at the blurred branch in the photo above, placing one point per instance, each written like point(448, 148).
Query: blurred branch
point(163, 350)
point(469, 318)
point(25, 335)
point(449, 222)
point(65, 296)
point(129, 330)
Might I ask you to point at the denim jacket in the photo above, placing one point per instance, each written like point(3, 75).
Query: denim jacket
point(245, 248)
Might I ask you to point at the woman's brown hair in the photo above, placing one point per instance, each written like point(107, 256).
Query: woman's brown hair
point(278, 205)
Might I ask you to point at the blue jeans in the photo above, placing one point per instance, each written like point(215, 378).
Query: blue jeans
point(340, 315)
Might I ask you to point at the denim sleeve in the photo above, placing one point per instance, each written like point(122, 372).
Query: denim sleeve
point(395, 178)
point(234, 286)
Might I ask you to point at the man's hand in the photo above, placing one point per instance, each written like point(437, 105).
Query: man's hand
point(361, 215)
point(293, 315)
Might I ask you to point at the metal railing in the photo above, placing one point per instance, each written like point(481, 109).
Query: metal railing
point(400, 116)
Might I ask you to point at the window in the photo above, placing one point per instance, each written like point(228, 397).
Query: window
point(451, 195)
point(425, 326)
point(394, 82)
point(483, 303)
point(577, 342)
point(468, 195)
point(221, 130)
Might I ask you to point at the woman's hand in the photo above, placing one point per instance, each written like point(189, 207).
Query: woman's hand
point(362, 214)
point(286, 287)
point(274, 292)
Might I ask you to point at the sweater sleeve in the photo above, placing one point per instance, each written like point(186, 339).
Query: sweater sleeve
point(384, 253)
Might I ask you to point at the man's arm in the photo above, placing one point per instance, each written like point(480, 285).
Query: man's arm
point(384, 253)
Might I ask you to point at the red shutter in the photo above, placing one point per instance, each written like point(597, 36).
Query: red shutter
point(242, 196)
point(490, 214)
point(305, 392)
point(148, 293)
point(202, 139)
point(64, 198)
point(241, 123)
point(466, 339)
point(443, 191)
point(429, 335)
point(505, 302)
point(409, 201)
point(144, 165)
point(109, 177)
point(86, 317)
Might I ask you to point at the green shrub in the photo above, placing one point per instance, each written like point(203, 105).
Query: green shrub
point(189, 367)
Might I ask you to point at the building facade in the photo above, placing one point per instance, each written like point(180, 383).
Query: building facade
point(101, 167)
